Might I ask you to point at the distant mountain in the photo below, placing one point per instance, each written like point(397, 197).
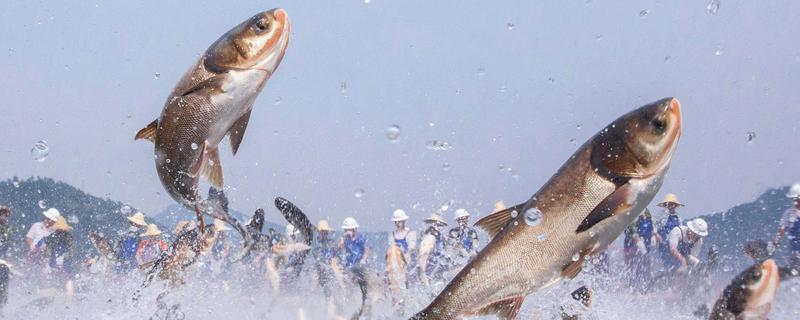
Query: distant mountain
point(759, 219)
point(29, 198)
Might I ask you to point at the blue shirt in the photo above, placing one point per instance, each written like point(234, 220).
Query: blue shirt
point(354, 249)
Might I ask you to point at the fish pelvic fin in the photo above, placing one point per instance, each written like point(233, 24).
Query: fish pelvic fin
point(504, 309)
point(236, 133)
point(495, 222)
point(148, 132)
point(209, 167)
point(572, 269)
point(617, 202)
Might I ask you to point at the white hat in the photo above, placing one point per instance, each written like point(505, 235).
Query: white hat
point(435, 218)
point(399, 215)
point(138, 219)
point(349, 223)
point(52, 214)
point(461, 213)
point(291, 230)
point(698, 226)
point(322, 225)
point(794, 191)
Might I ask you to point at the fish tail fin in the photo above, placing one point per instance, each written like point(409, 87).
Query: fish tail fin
point(209, 167)
point(148, 132)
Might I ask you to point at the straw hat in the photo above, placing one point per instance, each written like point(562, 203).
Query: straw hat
point(399, 215)
point(499, 206)
point(220, 225)
point(184, 225)
point(52, 214)
point(670, 198)
point(698, 226)
point(152, 230)
point(61, 224)
point(322, 225)
point(435, 218)
point(138, 219)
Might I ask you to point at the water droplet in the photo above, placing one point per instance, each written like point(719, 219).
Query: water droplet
point(16, 184)
point(156, 75)
point(343, 87)
point(718, 52)
point(795, 272)
point(516, 223)
point(446, 167)
point(510, 25)
point(598, 37)
point(431, 124)
point(750, 136)
point(533, 217)
point(551, 79)
point(541, 237)
point(194, 146)
point(576, 257)
point(277, 101)
point(42, 204)
point(713, 6)
point(359, 193)
point(481, 71)
point(126, 210)
point(644, 13)
point(573, 140)
point(438, 145)
point(40, 151)
point(592, 233)
point(393, 133)
point(11, 50)
point(445, 205)
point(169, 161)
point(366, 1)
point(514, 214)
point(503, 89)
point(73, 219)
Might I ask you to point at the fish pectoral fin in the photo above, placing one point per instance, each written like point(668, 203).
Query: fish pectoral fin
point(495, 222)
point(236, 133)
point(148, 132)
point(572, 269)
point(617, 202)
point(504, 309)
point(209, 86)
point(209, 167)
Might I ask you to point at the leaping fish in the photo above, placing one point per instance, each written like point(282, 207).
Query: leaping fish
point(214, 99)
point(578, 212)
point(750, 294)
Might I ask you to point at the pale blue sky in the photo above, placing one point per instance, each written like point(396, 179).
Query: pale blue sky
point(81, 76)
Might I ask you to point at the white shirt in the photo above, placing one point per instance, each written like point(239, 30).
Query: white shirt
point(790, 216)
point(682, 233)
point(38, 232)
point(409, 235)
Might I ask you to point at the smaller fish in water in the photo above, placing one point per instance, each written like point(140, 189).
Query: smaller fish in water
point(750, 294)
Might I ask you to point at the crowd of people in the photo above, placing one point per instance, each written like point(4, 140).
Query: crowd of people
point(425, 258)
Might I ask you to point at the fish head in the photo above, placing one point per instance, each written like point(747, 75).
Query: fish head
point(639, 144)
point(258, 43)
point(760, 284)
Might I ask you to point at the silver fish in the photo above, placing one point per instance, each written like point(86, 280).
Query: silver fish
point(750, 294)
point(579, 211)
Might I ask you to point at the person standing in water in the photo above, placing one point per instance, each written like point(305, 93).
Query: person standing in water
point(38, 232)
point(685, 243)
point(665, 226)
point(150, 247)
point(431, 262)
point(354, 244)
point(5, 231)
point(129, 243)
point(403, 237)
point(464, 238)
point(59, 255)
point(790, 223)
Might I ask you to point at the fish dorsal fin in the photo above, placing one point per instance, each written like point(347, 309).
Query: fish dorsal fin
point(148, 132)
point(504, 309)
point(236, 133)
point(617, 202)
point(209, 167)
point(495, 222)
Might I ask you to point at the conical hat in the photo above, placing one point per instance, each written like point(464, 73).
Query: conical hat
point(435, 217)
point(322, 225)
point(670, 198)
point(138, 219)
point(152, 230)
point(61, 224)
point(499, 206)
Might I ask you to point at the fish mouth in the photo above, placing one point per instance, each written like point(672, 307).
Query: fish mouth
point(277, 44)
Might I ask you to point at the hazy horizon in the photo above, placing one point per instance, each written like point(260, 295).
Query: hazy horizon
point(517, 86)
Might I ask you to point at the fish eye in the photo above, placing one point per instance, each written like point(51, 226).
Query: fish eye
point(755, 275)
point(262, 24)
point(659, 125)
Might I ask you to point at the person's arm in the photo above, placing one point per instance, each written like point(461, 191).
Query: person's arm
point(674, 239)
point(474, 236)
point(412, 241)
point(695, 254)
point(29, 239)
